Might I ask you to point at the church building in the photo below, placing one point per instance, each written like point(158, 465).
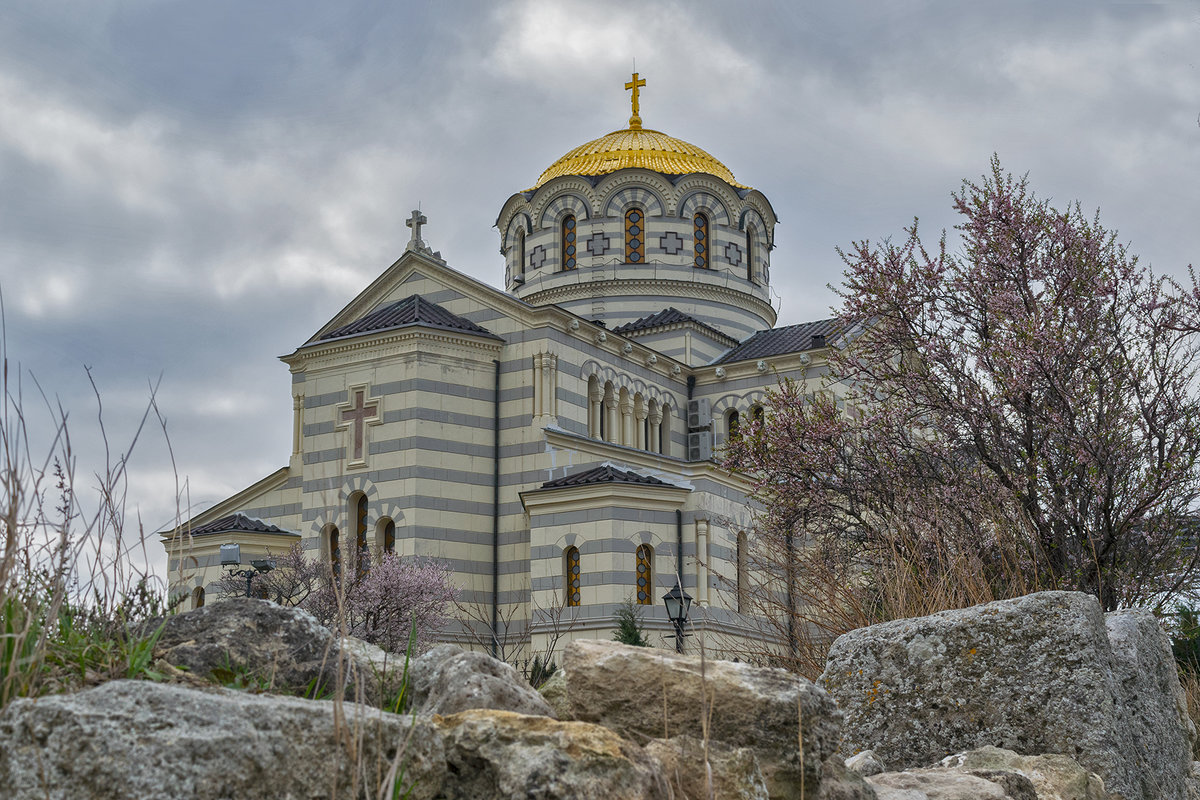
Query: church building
point(555, 442)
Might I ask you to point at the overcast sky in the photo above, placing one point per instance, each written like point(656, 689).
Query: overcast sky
point(191, 189)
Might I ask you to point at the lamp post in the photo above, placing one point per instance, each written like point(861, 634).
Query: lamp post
point(231, 556)
point(678, 602)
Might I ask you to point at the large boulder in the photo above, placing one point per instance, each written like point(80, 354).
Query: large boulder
point(1054, 777)
point(275, 648)
point(1034, 675)
point(941, 784)
point(448, 679)
point(1155, 707)
point(497, 755)
point(644, 693)
point(141, 739)
point(700, 771)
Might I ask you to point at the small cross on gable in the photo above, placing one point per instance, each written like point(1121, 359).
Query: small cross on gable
point(355, 416)
point(415, 222)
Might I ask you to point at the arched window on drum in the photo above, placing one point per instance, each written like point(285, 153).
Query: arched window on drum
point(569, 240)
point(700, 244)
point(635, 236)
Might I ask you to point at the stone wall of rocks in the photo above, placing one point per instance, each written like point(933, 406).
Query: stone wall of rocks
point(1039, 698)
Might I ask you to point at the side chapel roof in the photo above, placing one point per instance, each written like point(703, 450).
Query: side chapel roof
point(239, 523)
point(669, 316)
point(606, 473)
point(778, 341)
point(412, 310)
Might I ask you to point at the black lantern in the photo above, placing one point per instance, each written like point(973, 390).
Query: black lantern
point(231, 556)
point(678, 603)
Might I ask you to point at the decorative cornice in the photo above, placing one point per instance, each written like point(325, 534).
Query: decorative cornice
point(614, 288)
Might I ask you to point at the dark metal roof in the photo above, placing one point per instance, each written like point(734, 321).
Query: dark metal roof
point(239, 523)
point(777, 341)
point(603, 474)
point(668, 316)
point(412, 310)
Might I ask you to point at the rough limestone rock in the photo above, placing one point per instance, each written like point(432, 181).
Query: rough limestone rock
point(448, 679)
point(940, 784)
point(840, 783)
point(865, 763)
point(1033, 675)
point(271, 646)
point(645, 693)
point(140, 739)
point(1153, 699)
point(1054, 777)
point(730, 773)
point(496, 755)
point(554, 692)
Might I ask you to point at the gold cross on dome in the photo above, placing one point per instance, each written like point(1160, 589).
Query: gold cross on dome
point(635, 122)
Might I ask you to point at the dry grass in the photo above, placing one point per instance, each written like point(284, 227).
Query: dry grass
point(1191, 691)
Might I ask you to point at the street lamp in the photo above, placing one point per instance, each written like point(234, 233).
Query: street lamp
point(231, 556)
point(678, 602)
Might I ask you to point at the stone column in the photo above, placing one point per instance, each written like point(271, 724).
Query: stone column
point(702, 561)
point(639, 425)
point(612, 422)
point(655, 429)
point(537, 386)
point(626, 420)
point(550, 387)
point(595, 401)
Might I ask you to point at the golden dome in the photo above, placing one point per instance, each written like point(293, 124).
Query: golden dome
point(637, 147)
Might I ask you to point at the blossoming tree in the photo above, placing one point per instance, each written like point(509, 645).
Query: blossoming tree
point(1019, 415)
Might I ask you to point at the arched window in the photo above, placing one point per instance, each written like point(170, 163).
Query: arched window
point(749, 253)
point(386, 536)
point(742, 588)
point(571, 569)
point(568, 243)
point(335, 552)
point(757, 414)
point(635, 236)
point(645, 575)
point(700, 241)
point(362, 557)
point(732, 423)
point(197, 597)
point(519, 270)
point(664, 432)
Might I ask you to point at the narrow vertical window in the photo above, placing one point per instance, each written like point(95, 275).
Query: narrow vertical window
point(645, 575)
point(757, 415)
point(572, 576)
point(741, 572)
point(732, 424)
point(335, 553)
point(361, 555)
point(664, 432)
point(198, 597)
point(700, 241)
point(635, 236)
point(389, 537)
point(568, 243)
point(749, 253)
point(519, 270)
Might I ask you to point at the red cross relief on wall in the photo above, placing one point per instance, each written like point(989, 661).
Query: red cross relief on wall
point(357, 416)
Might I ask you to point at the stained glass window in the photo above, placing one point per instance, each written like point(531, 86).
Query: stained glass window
point(568, 243)
point(645, 575)
point(572, 586)
point(635, 236)
point(700, 241)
